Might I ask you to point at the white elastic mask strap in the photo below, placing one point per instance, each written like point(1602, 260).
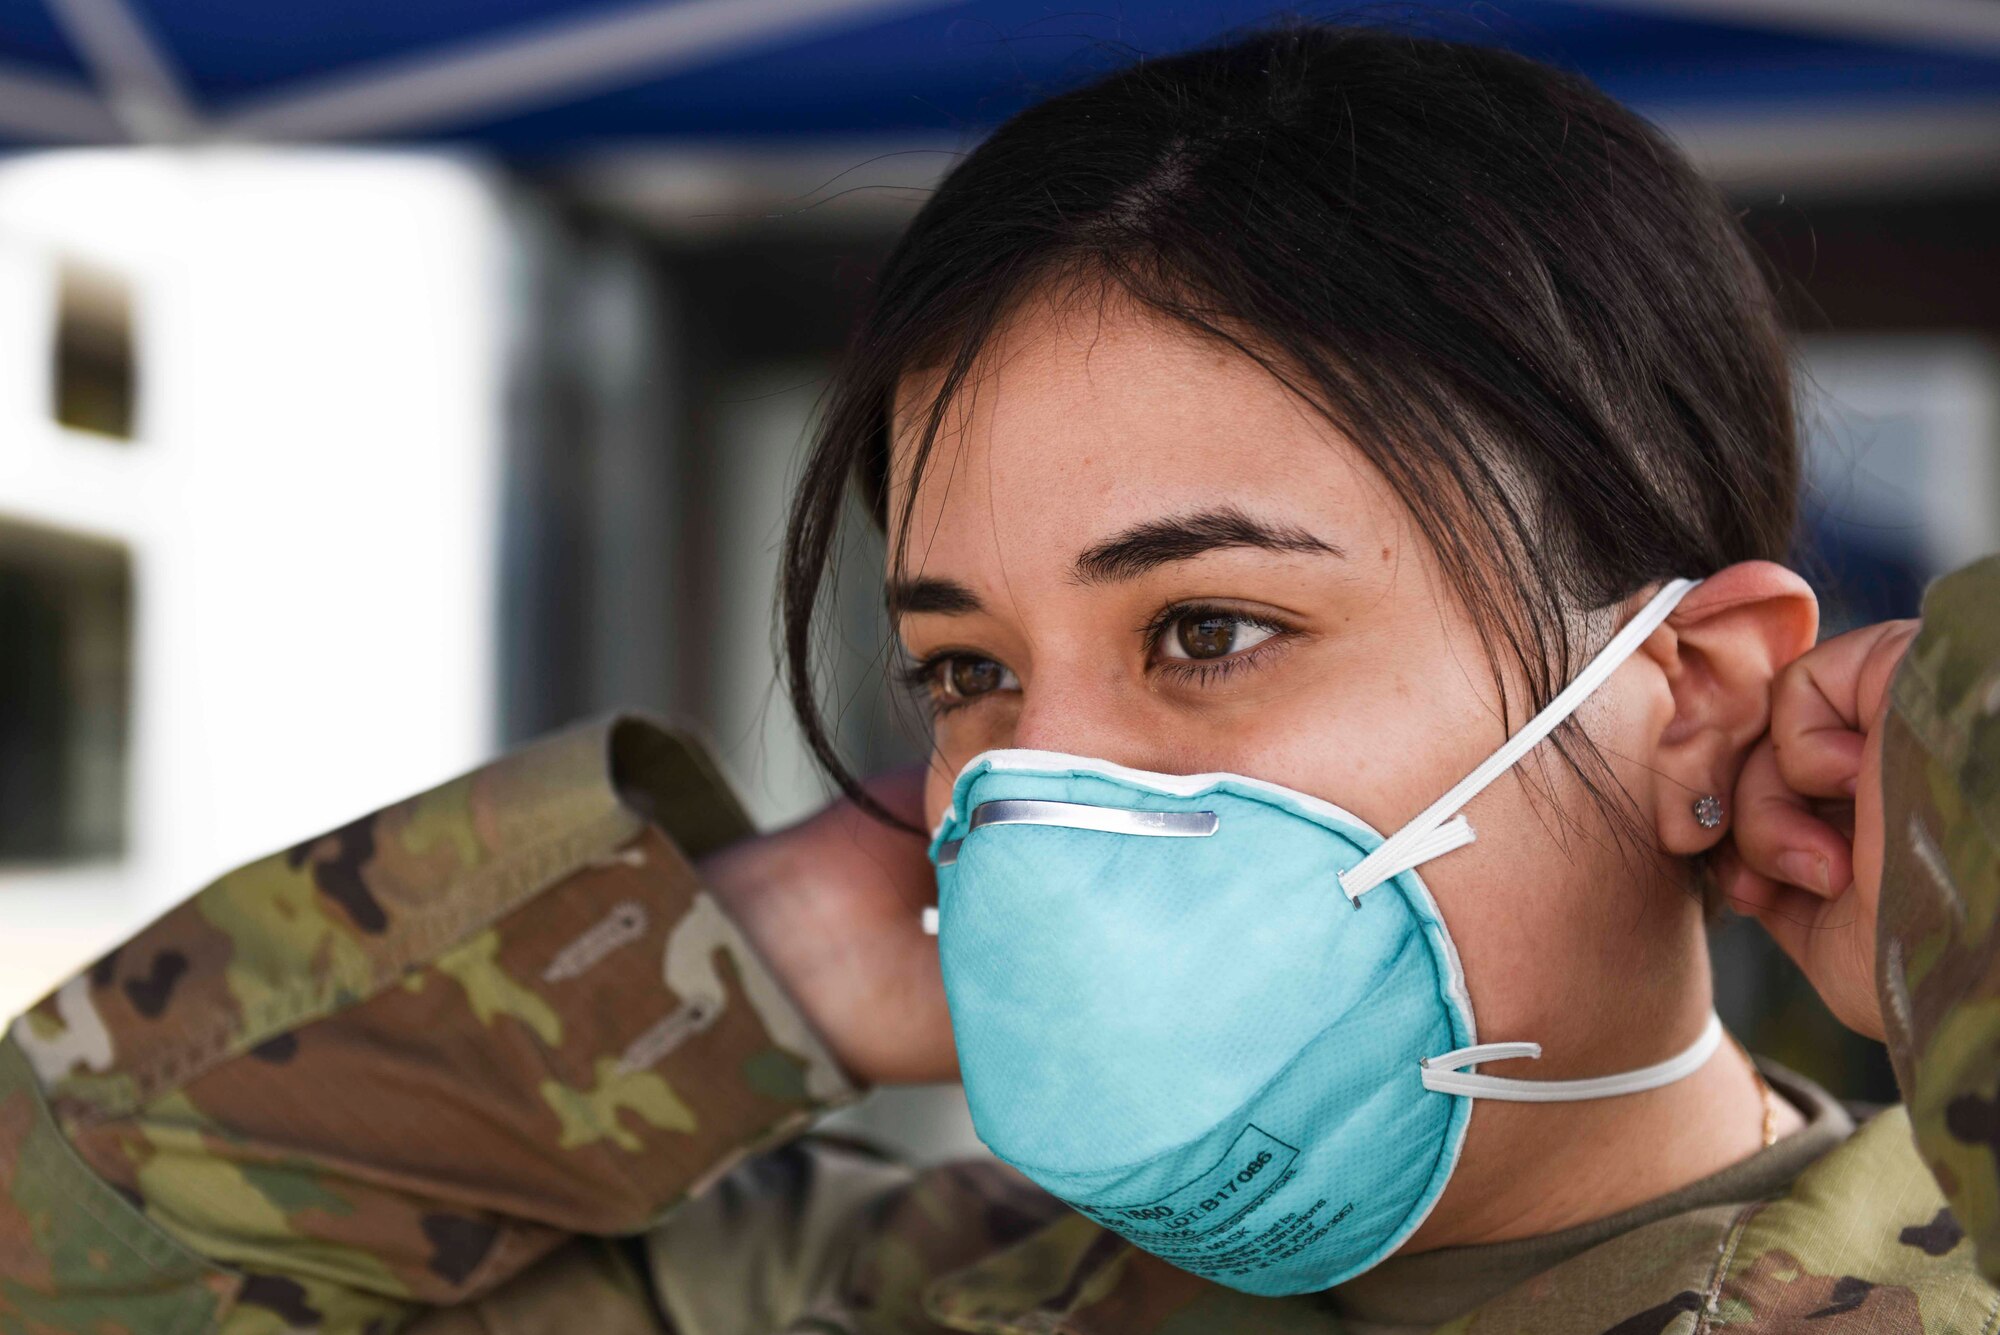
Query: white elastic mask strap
point(1446, 1074)
point(1424, 837)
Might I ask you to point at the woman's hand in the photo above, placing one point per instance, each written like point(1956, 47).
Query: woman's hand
point(833, 905)
point(1805, 851)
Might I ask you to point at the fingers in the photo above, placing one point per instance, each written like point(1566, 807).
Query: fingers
point(1822, 707)
point(1788, 914)
point(1784, 864)
point(1777, 837)
point(1824, 704)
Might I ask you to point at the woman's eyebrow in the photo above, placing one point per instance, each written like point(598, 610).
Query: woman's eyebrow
point(1160, 541)
point(926, 594)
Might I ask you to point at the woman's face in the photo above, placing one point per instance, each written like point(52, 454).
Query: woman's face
point(1133, 544)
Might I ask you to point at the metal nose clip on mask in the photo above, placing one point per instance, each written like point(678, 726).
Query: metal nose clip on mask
point(1168, 1015)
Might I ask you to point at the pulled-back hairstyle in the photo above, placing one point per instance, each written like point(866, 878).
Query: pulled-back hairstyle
point(1511, 293)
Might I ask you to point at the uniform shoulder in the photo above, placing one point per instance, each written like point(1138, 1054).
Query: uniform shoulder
point(1860, 1241)
point(1863, 1241)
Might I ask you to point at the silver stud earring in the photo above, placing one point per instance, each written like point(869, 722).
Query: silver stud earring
point(1708, 811)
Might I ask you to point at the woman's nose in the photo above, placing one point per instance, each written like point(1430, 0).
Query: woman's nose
point(1094, 721)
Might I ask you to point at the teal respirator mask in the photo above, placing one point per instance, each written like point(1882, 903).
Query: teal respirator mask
point(1223, 1018)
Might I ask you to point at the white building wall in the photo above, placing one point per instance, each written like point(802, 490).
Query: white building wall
point(310, 502)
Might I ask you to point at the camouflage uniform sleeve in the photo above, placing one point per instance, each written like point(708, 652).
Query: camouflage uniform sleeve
point(394, 1067)
point(1938, 947)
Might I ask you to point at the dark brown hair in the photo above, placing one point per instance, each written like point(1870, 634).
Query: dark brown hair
point(1512, 293)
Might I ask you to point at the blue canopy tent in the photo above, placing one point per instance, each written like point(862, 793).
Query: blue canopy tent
point(530, 76)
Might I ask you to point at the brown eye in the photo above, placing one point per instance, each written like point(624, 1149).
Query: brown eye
point(1212, 633)
point(968, 676)
point(973, 676)
point(1206, 635)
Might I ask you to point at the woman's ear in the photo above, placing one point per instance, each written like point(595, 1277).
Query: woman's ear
point(1719, 652)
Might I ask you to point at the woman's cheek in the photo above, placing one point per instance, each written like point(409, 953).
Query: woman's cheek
point(983, 725)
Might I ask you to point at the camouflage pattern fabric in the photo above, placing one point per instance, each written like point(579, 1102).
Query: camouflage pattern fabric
point(1937, 963)
point(395, 1066)
point(589, 1286)
point(423, 1072)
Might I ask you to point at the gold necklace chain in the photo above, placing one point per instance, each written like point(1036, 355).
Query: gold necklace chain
point(1765, 1093)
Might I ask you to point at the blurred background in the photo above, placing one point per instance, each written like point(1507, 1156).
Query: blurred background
point(383, 382)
